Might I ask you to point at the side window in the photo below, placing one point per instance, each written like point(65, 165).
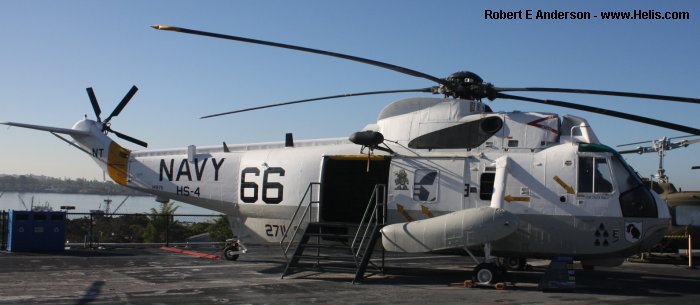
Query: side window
point(585, 175)
point(594, 175)
point(486, 185)
point(425, 185)
point(602, 182)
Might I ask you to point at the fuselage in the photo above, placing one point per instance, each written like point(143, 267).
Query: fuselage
point(571, 195)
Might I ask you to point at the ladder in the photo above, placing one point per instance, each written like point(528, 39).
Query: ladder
point(335, 246)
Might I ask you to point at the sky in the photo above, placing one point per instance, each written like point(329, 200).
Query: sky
point(52, 50)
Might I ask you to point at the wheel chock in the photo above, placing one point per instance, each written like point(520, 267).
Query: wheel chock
point(497, 286)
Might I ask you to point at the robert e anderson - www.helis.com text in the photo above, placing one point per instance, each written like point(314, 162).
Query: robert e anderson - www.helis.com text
point(525, 14)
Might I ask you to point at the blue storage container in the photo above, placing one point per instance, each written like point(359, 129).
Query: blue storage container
point(33, 231)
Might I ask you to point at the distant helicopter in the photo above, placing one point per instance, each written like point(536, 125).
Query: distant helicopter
point(684, 206)
point(445, 173)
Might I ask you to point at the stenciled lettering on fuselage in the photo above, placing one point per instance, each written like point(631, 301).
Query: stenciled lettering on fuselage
point(97, 152)
point(187, 171)
point(275, 230)
point(272, 192)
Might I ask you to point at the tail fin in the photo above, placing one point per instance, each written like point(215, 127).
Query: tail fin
point(90, 139)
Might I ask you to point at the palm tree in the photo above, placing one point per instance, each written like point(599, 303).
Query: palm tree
point(159, 221)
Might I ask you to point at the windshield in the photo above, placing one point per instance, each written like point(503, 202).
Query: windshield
point(635, 199)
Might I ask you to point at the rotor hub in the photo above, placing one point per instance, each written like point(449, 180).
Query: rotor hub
point(465, 77)
point(466, 85)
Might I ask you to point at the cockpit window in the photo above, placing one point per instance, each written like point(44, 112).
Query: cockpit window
point(636, 200)
point(594, 175)
point(625, 178)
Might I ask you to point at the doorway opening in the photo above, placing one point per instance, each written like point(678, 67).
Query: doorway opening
point(347, 185)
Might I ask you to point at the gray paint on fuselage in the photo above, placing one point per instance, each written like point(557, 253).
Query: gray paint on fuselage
point(583, 237)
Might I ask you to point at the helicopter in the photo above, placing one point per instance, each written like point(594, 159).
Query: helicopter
point(684, 206)
point(456, 174)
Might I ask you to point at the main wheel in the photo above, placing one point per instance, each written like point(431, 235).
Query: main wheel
point(514, 263)
point(486, 274)
point(230, 252)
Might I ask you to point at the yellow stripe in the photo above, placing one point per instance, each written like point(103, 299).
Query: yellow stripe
point(117, 163)
point(403, 212)
point(426, 211)
point(563, 184)
point(510, 198)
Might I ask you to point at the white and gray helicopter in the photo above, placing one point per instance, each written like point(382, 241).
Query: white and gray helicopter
point(457, 175)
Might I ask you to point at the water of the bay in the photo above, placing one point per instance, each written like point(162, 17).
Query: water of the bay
point(85, 203)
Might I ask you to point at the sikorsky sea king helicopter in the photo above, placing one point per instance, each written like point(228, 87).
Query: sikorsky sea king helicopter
point(457, 175)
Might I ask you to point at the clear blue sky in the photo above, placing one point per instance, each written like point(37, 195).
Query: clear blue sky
point(52, 50)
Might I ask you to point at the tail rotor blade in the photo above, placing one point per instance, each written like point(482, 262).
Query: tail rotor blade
point(123, 103)
point(115, 112)
point(95, 105)
point(130, 139)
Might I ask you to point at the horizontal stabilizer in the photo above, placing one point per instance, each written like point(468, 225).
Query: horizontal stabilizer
point(67, 131)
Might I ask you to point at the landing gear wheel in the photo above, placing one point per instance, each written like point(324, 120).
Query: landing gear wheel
point(486, 274)
point(230, 252)
point(514, 263)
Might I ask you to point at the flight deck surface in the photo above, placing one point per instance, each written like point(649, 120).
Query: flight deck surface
point(150, 276)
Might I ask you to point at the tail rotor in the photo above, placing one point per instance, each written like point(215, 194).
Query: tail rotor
point(106, 125)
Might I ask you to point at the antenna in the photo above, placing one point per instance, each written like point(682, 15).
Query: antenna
point(108, 202)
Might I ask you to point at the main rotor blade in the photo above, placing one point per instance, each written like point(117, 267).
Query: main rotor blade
point(123, 103)
point(635, 143)
point(130, 139)
point(304, 49)
point(638, 150)
point(691, 141)
point(649, 141)
point(95, 105)
point(603, 111)
point(603, 92)
point(318, 99)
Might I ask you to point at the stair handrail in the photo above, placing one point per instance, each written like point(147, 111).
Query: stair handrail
point(310, 194)
point(370, 221)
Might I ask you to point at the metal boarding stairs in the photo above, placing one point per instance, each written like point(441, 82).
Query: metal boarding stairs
point(334, 246)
